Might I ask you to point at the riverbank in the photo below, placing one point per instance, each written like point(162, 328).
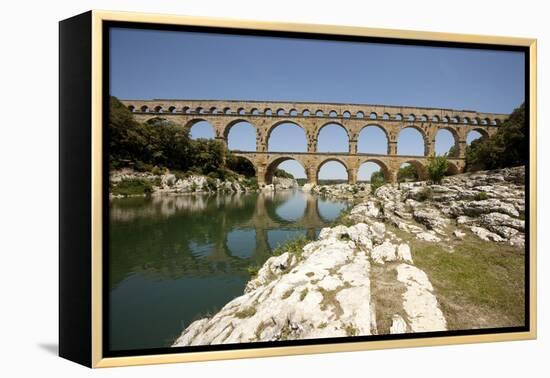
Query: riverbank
point(409, 258)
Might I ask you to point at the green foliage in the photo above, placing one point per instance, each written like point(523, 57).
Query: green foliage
point(253, 270)
point(407, 173)
point(507, 148)
point(132, 187)
point(282, 173)
point(240, 165)
point(159, 143)
point(294, 246)
point(481, 196)
point(376, 181)
point(437, 166)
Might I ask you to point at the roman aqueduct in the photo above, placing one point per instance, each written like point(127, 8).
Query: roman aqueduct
point(312, 117)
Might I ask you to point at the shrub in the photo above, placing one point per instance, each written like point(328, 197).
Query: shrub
point(437, 166)
point(376, 181)
point(132, 187)
point(293, 246)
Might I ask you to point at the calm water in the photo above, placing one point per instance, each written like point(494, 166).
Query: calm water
point(175, 259)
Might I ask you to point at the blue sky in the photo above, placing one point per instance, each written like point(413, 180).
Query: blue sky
point(161, 64)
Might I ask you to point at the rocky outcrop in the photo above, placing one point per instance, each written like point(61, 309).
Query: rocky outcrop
point(169, 183)
point(324, 290)
point(281, 183)
point(489, 204)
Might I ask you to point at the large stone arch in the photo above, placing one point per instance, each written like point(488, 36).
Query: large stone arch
point(193, 121)
point(383, 167)
point(273, 126)
point(349, 172)
point(234, 122)
point(379, 127)
point(317, 133)
point(274, 163)
point(483, 131)
point(421, 169)
point(454, 132)
point(423, 134)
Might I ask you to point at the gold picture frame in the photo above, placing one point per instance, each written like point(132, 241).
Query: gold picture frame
point(93, 23)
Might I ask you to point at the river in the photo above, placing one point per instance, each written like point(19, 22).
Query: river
point(175, 259)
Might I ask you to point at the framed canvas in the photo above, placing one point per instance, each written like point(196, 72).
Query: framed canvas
point(234, 189)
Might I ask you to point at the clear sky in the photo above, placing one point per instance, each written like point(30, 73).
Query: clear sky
point(162, 64)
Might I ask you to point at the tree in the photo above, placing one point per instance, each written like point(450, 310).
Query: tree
point(376, 181)
point(507, 148)
point(407, 173)
point(282, 173)
point(437, 166)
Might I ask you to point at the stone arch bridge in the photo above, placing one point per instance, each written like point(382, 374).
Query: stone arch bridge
point(312, 117)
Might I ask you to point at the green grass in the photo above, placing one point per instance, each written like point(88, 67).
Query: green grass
point(132, 187)
point(479, 284)
point(245, 313)
point(294, 246)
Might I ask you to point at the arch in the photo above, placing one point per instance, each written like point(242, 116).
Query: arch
point(498, 121)
point(411, 117)
point(186, 110)
point(419, 168)
point(338, 163)
point(131, 108)
point(268, 112)
point(386, 116)
point(485, 121)
point(306, 113)
point(476, 120)
point(445, 119)
point(333, 114)
point(244, 135)
point(281, 112)
point(202, 129)
point(435, 118)
point(446, 141)
point(214, 110)
point(373, 139)
point(466, 120)
point(408, 142)
point(365, 172)
point(158, 109)
point(455, 119)
point(200, 110)
point(424, 118)
point(172, 109)
point(398, 117)
point(295, 138)
point(373, 115)
point(493, 122)
point(346, 114)
point(145, 109)
point(242, 165)
point(227, 111)
point(319, 113)
point(360, 114)
point(254, 111)
point(241, 111)
point(335, 143)
point(272, 166)
point(293, 113)
point(478, 133)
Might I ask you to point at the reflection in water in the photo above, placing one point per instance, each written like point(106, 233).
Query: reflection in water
point(173, 259)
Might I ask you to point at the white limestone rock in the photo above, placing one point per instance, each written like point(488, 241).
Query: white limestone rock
point(384, 252)
point(420, 303)
point(398, 325)
point(485, 234)
point(404, 253)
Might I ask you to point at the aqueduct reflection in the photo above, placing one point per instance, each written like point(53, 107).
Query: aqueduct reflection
point(246, 231)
